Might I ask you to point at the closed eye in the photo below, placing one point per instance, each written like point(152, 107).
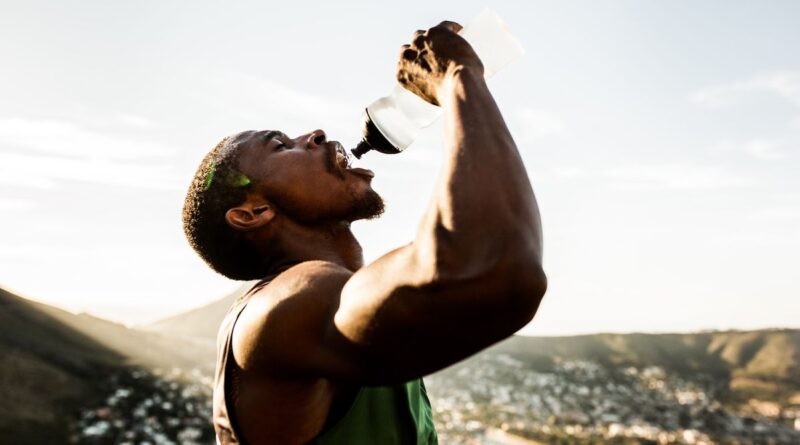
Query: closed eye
point(282, 142)
point(274, 141)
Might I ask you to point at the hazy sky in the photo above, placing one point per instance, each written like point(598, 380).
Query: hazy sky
point(662, 140)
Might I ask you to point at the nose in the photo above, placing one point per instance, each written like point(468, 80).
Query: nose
point(316, 139)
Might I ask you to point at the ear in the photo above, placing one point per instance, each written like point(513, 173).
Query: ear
point(249, 216)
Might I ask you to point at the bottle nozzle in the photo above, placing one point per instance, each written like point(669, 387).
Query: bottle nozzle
point(360, 149)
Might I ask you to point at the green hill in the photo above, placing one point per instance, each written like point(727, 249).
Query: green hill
point(769, 355)
point(53, 362)
point(763, 363)
point(198, 323)
point(47, 368)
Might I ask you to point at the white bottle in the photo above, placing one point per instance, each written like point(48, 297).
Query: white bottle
point(393, 122)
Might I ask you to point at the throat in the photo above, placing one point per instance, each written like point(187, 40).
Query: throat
point(331, 243)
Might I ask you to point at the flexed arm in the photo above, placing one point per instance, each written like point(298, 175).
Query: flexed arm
point(471, 277)
point(473, 274)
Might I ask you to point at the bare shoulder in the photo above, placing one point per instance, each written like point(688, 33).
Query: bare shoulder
point(288, 317)
point(303, 279)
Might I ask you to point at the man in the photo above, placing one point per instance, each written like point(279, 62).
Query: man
point(323, 349)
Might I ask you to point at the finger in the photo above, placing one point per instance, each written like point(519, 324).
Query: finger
point(402, 77)
point(409, 54)
point(452, 26)
point(419, 42)
point(424, 64)
point(418, 33)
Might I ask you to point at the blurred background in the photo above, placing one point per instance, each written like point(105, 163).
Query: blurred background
point(662, 140)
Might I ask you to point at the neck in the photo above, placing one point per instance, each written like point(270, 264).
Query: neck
point(332, 242)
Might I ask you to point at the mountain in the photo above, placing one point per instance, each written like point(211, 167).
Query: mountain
point(772, 354)
point(199, 323)
point(53, 362)
point(47, 369)
point(762, 363)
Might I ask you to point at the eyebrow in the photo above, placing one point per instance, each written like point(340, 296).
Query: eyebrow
point(271, 135)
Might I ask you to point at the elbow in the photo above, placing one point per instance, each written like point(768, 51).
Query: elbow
point(526, 284)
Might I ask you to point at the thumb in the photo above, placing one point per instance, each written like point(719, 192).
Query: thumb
point(451, 26)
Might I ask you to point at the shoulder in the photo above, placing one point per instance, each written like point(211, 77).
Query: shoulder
point(309, 275)
point(298, 305)
point(306, 283)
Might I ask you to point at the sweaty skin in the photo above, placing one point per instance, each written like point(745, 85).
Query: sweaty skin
point(328, 324)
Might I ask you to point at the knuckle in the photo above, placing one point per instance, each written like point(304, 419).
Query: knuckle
point(450, 26)
point(409, 54)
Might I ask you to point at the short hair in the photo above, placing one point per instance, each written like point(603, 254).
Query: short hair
point(219, 185)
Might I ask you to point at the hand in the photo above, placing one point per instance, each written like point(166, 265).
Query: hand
point(431, 57)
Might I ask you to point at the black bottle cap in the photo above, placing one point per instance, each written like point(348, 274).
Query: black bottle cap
point(373, 139)
point(360, 149)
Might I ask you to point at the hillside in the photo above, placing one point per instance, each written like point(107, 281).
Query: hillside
point(47, 368)
point(200, 323)
point(54, 362)
point(713, 387)
point(769, 353)
point(51, 362)
point(758, 356)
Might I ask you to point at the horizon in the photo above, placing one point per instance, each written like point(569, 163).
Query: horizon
point(525, 332)
point(662, 142)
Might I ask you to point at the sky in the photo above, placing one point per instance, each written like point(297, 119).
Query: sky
point(662, 140)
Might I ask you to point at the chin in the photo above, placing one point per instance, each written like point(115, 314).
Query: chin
point(369, 205)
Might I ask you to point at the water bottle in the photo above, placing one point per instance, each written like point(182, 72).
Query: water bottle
point(393, 122)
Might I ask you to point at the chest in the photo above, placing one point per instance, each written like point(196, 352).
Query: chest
point(280, 411)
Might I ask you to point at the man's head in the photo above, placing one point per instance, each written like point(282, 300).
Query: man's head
point(254, 186)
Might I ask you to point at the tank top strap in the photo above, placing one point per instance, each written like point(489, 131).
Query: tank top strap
point(225, 388)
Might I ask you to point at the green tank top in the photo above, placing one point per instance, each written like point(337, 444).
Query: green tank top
point(379, 415)
point(385, 415)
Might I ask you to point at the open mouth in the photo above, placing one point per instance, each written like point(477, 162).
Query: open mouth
point(342, 158)
point(340, 162)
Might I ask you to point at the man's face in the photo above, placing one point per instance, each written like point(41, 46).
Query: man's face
point(308, 178)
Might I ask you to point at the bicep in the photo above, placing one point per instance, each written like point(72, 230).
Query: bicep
point(319, 320)
point(386, 323)
point(284, 330)
point(411, 325)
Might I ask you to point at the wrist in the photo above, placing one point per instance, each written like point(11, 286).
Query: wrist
point(457, 79)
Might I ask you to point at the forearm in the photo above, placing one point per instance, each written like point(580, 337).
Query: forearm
point(484, 210)
point(472, 276)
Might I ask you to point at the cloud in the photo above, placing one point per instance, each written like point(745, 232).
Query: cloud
point(90, 117)
point(8, 205)
point(44, 172)
point(554, 172)
point(674, 176)
point(564, 171)
point(763, 149)
point(784, 84)
point(758, 148)
point(532, 124)
point(259, 101)
point(39, 153)
point(134, 121)
point(776, 214)
point(65, 138)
